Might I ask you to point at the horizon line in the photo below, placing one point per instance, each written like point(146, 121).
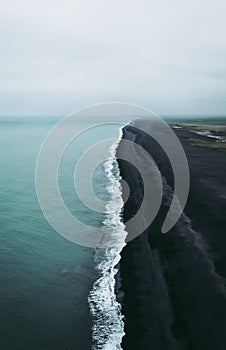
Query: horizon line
point(65, 115)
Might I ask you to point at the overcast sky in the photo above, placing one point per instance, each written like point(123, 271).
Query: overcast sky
point(57, 56)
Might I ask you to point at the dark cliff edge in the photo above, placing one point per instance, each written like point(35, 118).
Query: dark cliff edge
point(174, 284)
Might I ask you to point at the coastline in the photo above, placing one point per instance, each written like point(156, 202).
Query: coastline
point(105, 309)
point(174, 284)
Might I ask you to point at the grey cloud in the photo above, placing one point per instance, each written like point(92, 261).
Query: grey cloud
point(168, 56)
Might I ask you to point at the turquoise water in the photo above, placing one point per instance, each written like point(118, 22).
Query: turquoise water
point(45, 279)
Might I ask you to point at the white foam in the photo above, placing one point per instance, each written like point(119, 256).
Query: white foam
point(108, 325)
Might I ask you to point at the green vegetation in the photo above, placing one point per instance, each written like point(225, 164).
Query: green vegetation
point(220, 146)
point(198, 123)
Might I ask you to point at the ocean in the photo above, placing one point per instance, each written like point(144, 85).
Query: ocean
point(55, 294)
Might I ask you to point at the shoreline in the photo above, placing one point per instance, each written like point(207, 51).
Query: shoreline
point(172, 282)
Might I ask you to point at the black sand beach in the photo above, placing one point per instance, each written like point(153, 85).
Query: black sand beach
point(174, 283)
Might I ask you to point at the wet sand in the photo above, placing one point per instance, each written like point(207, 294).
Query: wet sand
point(174, 284)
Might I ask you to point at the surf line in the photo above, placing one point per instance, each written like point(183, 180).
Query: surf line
point(108, 325)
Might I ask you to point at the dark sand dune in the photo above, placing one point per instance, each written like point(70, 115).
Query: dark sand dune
point(174, 284)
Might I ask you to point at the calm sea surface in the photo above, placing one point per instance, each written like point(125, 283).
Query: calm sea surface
point(45, 279)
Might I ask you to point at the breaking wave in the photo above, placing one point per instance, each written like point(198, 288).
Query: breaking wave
point(108, 325)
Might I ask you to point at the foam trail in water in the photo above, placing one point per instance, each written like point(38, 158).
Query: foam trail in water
point(108, 325)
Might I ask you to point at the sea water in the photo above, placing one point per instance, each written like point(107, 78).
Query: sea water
point(54, 292)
